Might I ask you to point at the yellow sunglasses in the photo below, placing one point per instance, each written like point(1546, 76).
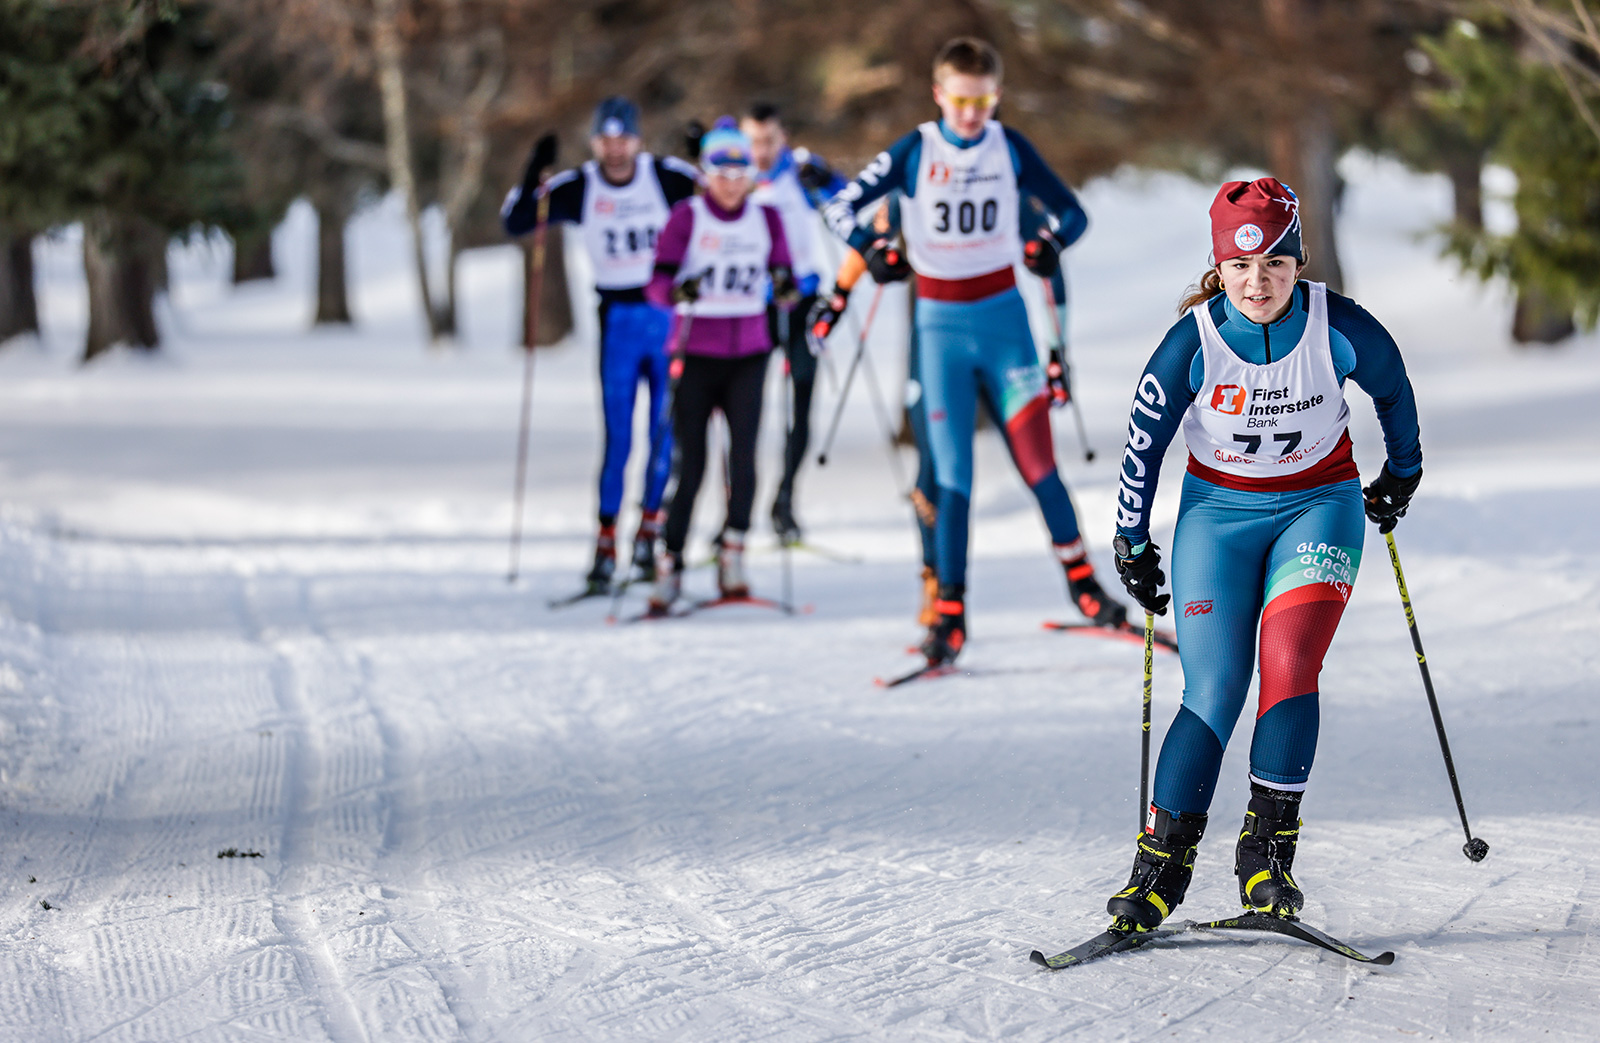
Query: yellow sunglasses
point(979, 101)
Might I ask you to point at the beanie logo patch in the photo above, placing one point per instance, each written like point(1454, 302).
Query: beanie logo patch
point(1249, 238)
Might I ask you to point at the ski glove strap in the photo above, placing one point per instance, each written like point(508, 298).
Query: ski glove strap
point(1388, 497)
point(1142, 576)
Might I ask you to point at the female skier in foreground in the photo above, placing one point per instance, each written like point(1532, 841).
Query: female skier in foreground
point(1269, 528)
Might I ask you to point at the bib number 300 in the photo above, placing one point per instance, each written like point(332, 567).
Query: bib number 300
point(968, 216)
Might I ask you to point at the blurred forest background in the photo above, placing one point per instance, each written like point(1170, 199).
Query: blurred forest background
point(149, 119)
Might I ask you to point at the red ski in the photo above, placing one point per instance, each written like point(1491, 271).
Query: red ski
point(1123, 632)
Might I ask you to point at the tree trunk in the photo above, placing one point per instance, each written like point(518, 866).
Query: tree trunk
point(122, 265)
point(1540, 319)
point(19, 308)
point(252, 258)
point(1303, 147)
point(397, 139)
point(1465, 170)
point(1304, 155)
point(333, 302)
point(555, 294)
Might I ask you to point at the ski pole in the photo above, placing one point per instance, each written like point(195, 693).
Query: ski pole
point(1475, 847)
point(530, 333)
point(1061, 341)
point(1144, 736)
point(850, 376)
point(887, 423)
point(784, 546)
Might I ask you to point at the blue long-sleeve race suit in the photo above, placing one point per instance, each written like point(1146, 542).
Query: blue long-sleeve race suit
point(1279, 557)
point(975, 345)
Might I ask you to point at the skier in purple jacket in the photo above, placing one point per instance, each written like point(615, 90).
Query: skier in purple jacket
point(719, 259)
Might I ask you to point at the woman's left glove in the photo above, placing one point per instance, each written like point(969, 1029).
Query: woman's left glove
point(1388, 497)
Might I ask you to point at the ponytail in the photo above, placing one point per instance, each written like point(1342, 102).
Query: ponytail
point(1209, 286)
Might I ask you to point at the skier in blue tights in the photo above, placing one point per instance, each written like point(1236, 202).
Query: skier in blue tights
point(964, 181)
point(619, 200)
point(1269, 533)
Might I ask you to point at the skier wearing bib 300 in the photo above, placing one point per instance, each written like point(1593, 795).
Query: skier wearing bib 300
point(824, 318)
point(1269, 529)
point(963, 180)
point(620, 199)
point(721, 258)
point(794, 183)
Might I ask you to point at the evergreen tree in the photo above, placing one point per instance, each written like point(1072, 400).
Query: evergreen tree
point(114, 119)
point(1505, 88)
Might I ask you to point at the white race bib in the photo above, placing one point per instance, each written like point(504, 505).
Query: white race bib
point(1275, 419)
point(621, 224)
point(962, 220)
point(731, 258)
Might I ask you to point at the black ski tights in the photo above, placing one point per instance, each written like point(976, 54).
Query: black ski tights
point(733, 386)
point(803, 374)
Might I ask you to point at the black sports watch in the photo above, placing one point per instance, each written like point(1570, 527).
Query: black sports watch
point(1122, 548)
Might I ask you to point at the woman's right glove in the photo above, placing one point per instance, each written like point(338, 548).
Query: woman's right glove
point(1141, 574)
point(687, 291)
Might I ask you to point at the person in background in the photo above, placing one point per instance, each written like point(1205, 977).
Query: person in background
point(619, 200)
point(795, 183)
point(720, 258)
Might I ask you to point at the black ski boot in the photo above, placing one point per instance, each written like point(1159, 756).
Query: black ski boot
point(948, 635)
point(1162, 866)
point(605, 561)
point(1265, 852)
point(783, 521)
point(1090, 597)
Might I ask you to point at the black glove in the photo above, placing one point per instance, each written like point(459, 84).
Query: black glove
point(886, 261)
point(1059, 377)
point(814, 174)
point(1388, 496)
point(785, 290)
point(1042, 254)
point(693, 131)
point(687, 291)
point(1141, 575)
point(824, 317)
point(540, 158)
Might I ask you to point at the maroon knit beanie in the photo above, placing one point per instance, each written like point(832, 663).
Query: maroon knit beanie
point(1255, 217)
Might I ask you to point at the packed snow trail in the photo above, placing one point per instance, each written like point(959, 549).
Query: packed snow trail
point(252, 599)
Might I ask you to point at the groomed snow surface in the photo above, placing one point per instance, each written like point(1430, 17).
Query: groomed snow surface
point(253, 597)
